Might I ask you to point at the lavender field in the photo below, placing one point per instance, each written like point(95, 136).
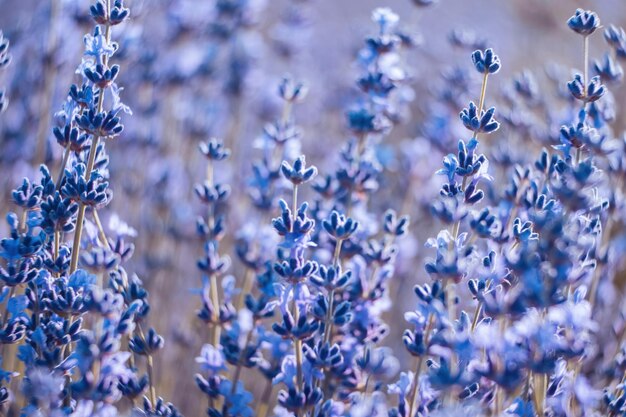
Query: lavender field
point(312, 208)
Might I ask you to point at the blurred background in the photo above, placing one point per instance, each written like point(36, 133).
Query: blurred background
point(188, 75)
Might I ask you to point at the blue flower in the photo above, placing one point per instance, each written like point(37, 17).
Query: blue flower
point(211, 360)
point(97, 47)
point(584, 22)
point(615, 36)
point(483, 124)
point(590, 93)
point(486, 62)
point(385, 18)
point(298, 173)
point(608, 70)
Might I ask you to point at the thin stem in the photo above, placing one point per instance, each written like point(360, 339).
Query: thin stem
point(329, 317)
point(362, 138)
point(597, 273)
point(214, 293)
point(483, 92)
point(476, 316)
point(361, 146)
point(151, 379)
point(367, 383)
point(328, 321)
point(150, 366)
point(286, 115)
point(540, 389)
point(448, 287)
point(237, 372)
point(297, 348)
point(500, 394)
point(298, 351)
point(23, 221)
point(337, 252)
point(264, 406)
point(331, 297)
point(296, 312)
point(294, 206)
point(511, 217)
point(450, 292)
point(619, 392)
point(418, 368)
point(101, 233)
point(209, 172)
point(93, 150)
point(457, 226)
point(81, 208)
point(479, 309)
point(217, 329)
point(57, 243)
point(499, 400)
point(66, 157)
point(248, 282)
point(585, 64)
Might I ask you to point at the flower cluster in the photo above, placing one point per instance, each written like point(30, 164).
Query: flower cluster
point(311, 295)
point(73, 319)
